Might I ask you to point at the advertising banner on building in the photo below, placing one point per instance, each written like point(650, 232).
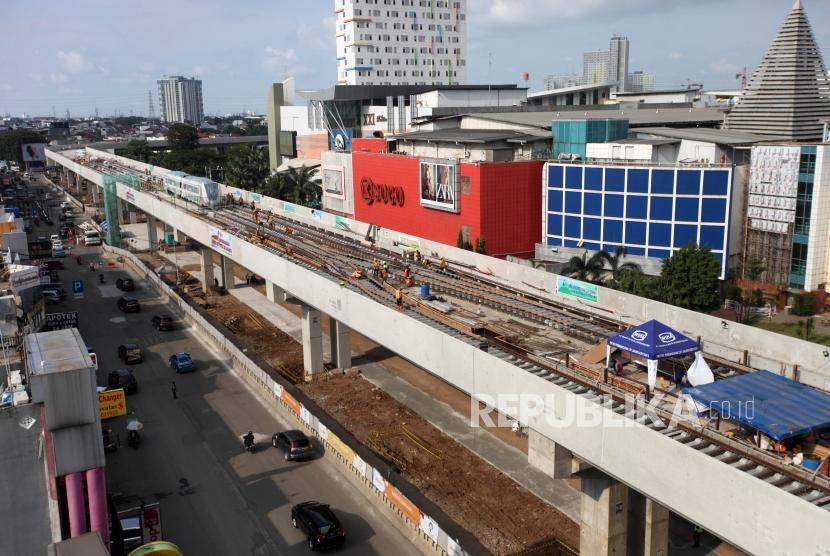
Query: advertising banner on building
point(773, 187)
point(60, 321)
point(151, 523)
point(33, 152)
point(23, 277)
point(333, 181)
point(340, 139)
point(439, 185)
point(575, 288)
point(112, 403)
point(221, 241)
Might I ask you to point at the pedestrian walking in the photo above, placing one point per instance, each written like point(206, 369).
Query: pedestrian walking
point(173, 390)
point(696, 536)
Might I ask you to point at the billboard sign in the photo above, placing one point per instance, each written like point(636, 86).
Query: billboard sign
point(340, 139)
point(23, 277)
point(112, 403)
point(60, 321)
point(221, 241)
point(33, 152)
point(333, 181)
point(151, 523)
point(575, 288)
point(372, 192)
point(439, 185)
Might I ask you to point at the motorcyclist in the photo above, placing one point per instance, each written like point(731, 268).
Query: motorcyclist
point(248, 439)
point(78, 259)
point(133, 438)
point(101, 278)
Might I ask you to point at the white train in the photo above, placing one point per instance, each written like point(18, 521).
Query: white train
point(201, 191)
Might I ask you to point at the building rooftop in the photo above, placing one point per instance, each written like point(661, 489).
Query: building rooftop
point(567, 90)
point(637, 117)
point(718, 136)
point(657, 92)
point(56, 351)
point(369, 92)
point(25, 527)
point(474, 136)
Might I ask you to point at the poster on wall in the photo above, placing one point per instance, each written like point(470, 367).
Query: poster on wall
point(575, 288)
point(221, 241)
point(340, 139)
point(333, 181)
point(33, 152)
point(439, 185)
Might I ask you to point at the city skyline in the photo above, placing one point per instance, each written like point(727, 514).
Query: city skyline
point(238, 53)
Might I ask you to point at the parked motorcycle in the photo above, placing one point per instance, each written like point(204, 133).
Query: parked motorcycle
point(248, 440)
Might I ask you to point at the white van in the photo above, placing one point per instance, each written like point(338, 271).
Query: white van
point(91, 237)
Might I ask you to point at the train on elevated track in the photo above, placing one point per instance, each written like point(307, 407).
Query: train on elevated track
point(201, 191)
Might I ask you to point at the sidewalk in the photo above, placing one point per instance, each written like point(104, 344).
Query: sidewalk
point(488, 447)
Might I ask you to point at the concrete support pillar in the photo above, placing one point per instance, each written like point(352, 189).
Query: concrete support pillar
point(656, 529)
point(228, 281)
point(603, 515)
point(133, 217)
point(275, 293)
point(119, 204)
point(181, 237)
point(312, 340)
point(207, 269)
point(96, 486)
point(76, 504)
point(548, 456)
point(340, 337)
point(152, 232)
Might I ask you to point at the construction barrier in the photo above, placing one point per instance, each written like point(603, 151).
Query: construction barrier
point(429, 532)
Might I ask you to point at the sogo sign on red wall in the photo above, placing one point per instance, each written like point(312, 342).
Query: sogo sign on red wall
point(381, 193)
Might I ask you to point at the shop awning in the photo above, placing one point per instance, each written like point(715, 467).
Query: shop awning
point(775, 405)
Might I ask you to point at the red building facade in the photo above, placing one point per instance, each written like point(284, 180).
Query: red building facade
point(500, 201)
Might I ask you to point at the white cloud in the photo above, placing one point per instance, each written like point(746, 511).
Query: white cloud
point(6, 88)
point(58, 78)
point(68, 90)
point(675, 55)
point(277, 58)
point(74, 62)
point(725, 66)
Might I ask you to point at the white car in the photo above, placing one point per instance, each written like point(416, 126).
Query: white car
point(54, 238)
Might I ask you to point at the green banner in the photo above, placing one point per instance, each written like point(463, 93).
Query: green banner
point(575, 288)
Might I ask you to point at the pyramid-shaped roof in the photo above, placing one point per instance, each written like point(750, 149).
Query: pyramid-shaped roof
point(789, 94)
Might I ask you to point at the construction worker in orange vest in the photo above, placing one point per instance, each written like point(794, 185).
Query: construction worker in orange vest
point(399, 298)
point(375, 267)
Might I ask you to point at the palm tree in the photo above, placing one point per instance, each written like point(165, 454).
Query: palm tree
point(305, 184)
point(584, 268)
point(614, 265)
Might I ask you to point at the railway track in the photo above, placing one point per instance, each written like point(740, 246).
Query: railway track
point(336, 257)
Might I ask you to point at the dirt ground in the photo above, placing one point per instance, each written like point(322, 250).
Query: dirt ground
point(504, 517)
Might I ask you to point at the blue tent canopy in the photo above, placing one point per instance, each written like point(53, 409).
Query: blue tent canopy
point(775, 405)
point(654, 340)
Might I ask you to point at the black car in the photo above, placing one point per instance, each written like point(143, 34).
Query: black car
point(125, 284)
point(163, 322)
point(294, 444)
point(128, 305)
point(319, 523)
point(123, 378)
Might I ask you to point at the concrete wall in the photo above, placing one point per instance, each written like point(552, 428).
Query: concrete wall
point(767, 350)
point(736, 506)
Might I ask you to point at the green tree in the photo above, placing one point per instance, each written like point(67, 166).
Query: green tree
point(481, 245)
point(585, 268)
point(11, 141)
point(633, 281)
point(194, 162)
point(182, 137)
point(256, 130)
point(689, 279)
point(305, 181)
point(753, 268)
point(804, 328)
point(614, 264)
point(247, 167)
point(233, 130)
point(138, 150)
point(733, 292)
point(459, 241)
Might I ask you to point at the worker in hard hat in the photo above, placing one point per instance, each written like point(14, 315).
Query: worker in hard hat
point(399, 299)
point(375, 267)
point(443, 264)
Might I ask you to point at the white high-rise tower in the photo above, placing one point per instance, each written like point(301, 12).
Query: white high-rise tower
point(180, 100)
point(401, 42)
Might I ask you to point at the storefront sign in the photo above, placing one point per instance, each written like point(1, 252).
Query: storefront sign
point(381, 193)
point(575, 288)
point(23, 277)
point(221, 241)
point(151, 523)
point(439, 185)
point(59, 321)
point(112, 403)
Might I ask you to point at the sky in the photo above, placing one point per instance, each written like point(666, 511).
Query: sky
point(59, 55)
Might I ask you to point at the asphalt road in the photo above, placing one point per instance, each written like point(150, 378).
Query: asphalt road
point(215, 497)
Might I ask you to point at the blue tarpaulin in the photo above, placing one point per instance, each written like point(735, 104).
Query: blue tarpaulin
point(775, 405)
point(654, 340)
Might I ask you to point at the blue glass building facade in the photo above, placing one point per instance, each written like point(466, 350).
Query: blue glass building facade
point(650, 210)
point(572, 136)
